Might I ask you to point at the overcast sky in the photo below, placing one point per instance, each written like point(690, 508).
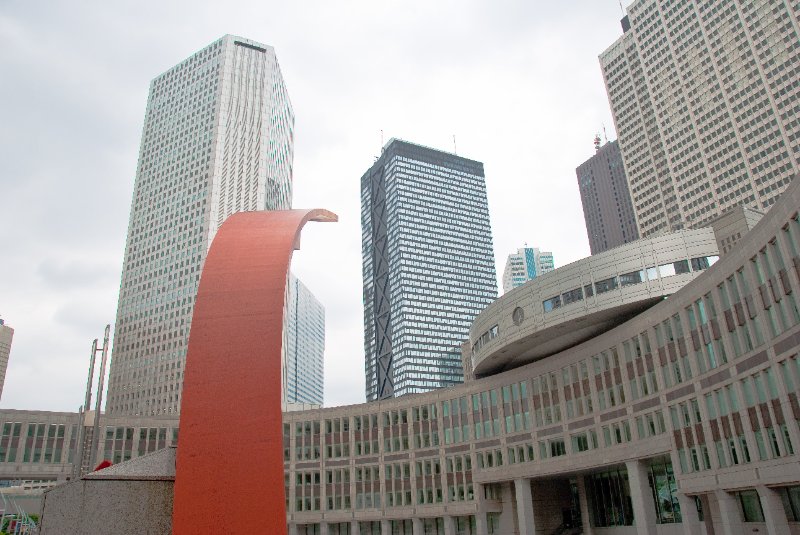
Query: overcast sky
point(517, 82)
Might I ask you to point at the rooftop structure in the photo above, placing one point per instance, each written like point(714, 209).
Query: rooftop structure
point(576, 302)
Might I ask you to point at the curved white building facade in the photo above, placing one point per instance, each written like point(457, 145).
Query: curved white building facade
point(684, 419)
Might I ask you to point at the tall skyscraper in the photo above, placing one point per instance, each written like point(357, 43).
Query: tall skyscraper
point(304, 345)
point(6, 335)
point(607, 207)
point(705, 100)
point(524, 265)
point(217, 139)
point(428, 266)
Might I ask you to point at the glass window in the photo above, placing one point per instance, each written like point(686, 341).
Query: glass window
point(552, 303)
point(791, 502)
point(751, 506)
point(610, 501)
point(704, 262)
point(572, 296)
point(606, 285)
point(665, 493)
point(634, 277)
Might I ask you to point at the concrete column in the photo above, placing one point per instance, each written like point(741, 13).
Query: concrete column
point(292, 529)
point(355, 527)
point(689, 517)
point(774, 513)
point(730, 516)
point(386, 529)
point(522, 491)
point(416, 526)
point(583, 503)
point(707, 503)
point(644, 509)
point(323, 528)
point(449, 525)
point(481, 525)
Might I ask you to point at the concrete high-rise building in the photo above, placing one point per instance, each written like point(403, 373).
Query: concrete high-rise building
point(428, 266)
point(304, 345)
point(524, 265)
point(217, 139)
point(705, 101)
point(6, 335)
point(607, 207)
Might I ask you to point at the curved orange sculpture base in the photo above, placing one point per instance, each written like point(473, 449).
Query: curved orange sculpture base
point(229, 474)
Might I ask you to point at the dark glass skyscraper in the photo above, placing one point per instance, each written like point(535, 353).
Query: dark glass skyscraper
point(428, 266)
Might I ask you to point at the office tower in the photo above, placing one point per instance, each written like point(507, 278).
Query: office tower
point(524, 265)
point(607, 207)
point(217, 139)
point(304, 345)
point(705, 100)
point(6, 335)
point(428, 266)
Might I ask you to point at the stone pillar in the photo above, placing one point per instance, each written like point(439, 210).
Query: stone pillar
point(644, 509)
point(708, 513)
point(689, 517)
point(386, 529)
point(730, 520)
point(416, 526)
point(449, 525)
point(355, 527)
point(522, 491)
point(774, 513)
point(292, 529)
point(583, 503)
point(481, 526)
point(323, 528)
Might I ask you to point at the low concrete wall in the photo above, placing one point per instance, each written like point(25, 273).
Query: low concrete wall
point(111, 507)
point(131, 498)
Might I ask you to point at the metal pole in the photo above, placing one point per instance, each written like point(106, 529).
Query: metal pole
point(100, 382)
point(86, 404)
point(77, 451)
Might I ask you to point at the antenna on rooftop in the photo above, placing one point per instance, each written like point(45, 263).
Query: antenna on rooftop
point(381, 140)
point(596, 142)
point(604, 133)
point(455, 149)
point(622, 9)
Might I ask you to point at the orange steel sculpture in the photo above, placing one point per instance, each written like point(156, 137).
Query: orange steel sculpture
point(229, 474)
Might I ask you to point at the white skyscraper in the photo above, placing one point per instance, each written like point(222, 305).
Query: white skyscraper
point(217, 139)
point(706, 102)
point(304, 345)
point(6, 335)
point(526, 264)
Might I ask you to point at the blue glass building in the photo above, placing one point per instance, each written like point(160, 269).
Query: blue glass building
point(524, 265)
point(428, 266)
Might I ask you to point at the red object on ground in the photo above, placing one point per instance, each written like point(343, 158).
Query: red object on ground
point(229, 467)
point(105, 464)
